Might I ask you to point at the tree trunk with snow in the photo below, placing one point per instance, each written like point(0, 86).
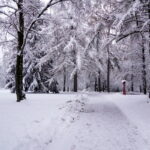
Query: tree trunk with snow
point(22, 39)
point(19, 61)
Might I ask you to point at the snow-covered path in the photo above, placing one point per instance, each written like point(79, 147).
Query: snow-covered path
point(82, 121)
point(102, 126)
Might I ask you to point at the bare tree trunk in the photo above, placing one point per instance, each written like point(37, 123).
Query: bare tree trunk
point(104, 86)
point(19, 61)
point(149, 40)
point(68, 89)
point(132, 82)
point(108, 74)
point(108, 64)
point(149, 23)
point(75, 82)
point(99, 82)
point(64, 88)
point(144, 68)
point(95, 85)
point(140, 89)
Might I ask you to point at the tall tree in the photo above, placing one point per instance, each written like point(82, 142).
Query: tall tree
point(22, 36)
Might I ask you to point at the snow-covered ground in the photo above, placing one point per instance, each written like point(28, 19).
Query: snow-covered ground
point(82, 121)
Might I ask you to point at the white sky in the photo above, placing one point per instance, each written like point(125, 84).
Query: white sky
point(45, 1)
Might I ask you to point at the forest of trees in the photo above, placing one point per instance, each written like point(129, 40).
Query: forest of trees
point(71, 45)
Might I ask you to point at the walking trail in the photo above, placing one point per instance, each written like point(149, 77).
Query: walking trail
point(101, 126)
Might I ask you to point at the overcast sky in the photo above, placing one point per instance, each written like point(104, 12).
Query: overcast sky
point(45, 1)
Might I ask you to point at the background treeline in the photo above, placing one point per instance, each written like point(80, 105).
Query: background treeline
point(77, 44)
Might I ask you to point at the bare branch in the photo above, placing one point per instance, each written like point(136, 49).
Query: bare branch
point(50, 3)
point(3, 13)
point(122, 36)
point(7, 6)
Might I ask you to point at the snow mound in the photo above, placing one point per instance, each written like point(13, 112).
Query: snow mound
point(73, 108)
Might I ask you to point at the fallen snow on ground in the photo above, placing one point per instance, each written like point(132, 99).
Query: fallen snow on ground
point(82, 121)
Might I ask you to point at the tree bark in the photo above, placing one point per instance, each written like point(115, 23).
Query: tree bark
point(132, 80)
point(149, 40)
point(75, 82)
point(108, 64)
point(108, 74)
point(104, 86)
point(99, 82)
point(140, 89)
point(132, 83)
point(95, 85)
point(144, 68)
point(19, 60)
point(64, 88)
point(149, 23)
